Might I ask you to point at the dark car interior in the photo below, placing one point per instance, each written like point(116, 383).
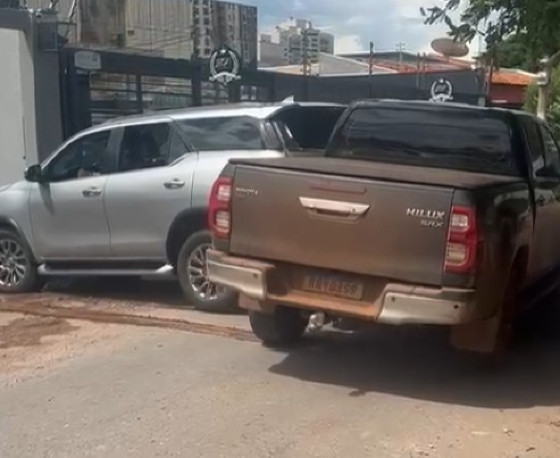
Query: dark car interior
point(307, 128)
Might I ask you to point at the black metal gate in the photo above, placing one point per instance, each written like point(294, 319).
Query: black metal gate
point(100, 85)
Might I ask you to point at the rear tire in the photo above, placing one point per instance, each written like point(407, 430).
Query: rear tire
point(193, 278)
point(18, 272)
point(285, 326)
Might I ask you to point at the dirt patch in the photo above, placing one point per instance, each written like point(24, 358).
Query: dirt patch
point(28, 331)
point(102, 316)
point(36, 345)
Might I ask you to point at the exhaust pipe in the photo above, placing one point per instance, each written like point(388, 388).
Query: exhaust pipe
point(317, 322)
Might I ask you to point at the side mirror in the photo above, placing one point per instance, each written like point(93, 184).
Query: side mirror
point(34, 174)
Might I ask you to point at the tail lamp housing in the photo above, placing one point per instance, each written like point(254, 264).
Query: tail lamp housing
point(462, 241)
point(219, 208)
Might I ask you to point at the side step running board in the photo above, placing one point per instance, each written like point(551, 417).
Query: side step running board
point(164, 271)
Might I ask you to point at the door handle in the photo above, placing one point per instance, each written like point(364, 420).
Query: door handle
point(174, 184)
point(333, 209)
point(91, 192)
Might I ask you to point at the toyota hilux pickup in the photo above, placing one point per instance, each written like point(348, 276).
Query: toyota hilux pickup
point(420, 213)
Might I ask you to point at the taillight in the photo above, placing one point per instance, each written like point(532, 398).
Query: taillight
point(219, 208)
point(462, 241)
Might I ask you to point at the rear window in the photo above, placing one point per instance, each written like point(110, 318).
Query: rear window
point(467, 140)
point(218, 134)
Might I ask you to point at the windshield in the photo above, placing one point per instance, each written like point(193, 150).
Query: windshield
point(469, 140)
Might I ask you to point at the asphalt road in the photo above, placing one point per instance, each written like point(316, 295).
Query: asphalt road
point(143, 392)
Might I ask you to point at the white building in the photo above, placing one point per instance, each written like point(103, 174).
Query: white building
point(294, 42)
point(331, 65)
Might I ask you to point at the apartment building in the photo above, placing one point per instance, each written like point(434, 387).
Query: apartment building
point(293, 42)
point(168, 28)
point(217, 23)
point(161, 27)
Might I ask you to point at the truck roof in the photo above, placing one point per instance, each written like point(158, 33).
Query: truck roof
point(431, 106)
point(254, 110)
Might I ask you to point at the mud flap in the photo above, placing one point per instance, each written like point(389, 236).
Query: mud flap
point(480, 337)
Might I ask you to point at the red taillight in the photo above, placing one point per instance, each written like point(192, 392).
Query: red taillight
point(462, 241)
point(219, 208)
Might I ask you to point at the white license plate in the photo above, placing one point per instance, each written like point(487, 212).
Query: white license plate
point(333, 286)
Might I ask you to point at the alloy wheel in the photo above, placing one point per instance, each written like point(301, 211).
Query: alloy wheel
point(13, 263)
point(198, 275)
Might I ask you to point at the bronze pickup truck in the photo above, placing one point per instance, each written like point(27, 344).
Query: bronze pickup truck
point(419, 213)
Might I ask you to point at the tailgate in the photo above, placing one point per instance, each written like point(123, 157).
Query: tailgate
point(386, 229)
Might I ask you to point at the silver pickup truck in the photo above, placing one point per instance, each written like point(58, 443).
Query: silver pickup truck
point(129, 197)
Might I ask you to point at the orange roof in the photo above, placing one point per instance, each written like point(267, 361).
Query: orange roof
point(512, 79)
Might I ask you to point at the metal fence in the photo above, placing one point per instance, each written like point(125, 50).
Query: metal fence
point(124, 84)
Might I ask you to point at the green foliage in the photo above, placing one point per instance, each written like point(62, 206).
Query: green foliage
point(553, 113)
point(533, 23)
point(513, 53)
point(554, 118)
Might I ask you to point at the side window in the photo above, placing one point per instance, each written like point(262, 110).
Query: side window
point(286, 134)
point(551, 152)
point(536, 147)
point(273, 137)
point(310, 127)
point(223, 133)
point(144, 146)
point(177, 147)
point(85, 157)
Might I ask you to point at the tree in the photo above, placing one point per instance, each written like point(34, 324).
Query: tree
point(513, 53)
point(553, 114)
point(532, 22)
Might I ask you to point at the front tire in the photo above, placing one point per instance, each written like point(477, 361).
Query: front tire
point(285, 326)
point(18, 272)
point(193, 278)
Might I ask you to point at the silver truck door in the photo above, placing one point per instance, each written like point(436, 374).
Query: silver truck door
point(152, 185)
point(67, 211)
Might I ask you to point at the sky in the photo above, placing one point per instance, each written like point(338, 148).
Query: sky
point(357, 22)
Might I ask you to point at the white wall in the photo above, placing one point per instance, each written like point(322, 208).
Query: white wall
point(18, 143)
point(272, 54)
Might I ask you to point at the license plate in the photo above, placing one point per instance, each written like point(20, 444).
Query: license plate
point(333, 286)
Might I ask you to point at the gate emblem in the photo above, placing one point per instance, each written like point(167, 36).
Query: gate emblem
point(441, 91)
point(225, 65)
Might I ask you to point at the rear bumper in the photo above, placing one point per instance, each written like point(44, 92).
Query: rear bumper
point(390, 303)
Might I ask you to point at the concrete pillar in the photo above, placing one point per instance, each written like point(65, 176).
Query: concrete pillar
point(30, 110)
point(18, 147)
